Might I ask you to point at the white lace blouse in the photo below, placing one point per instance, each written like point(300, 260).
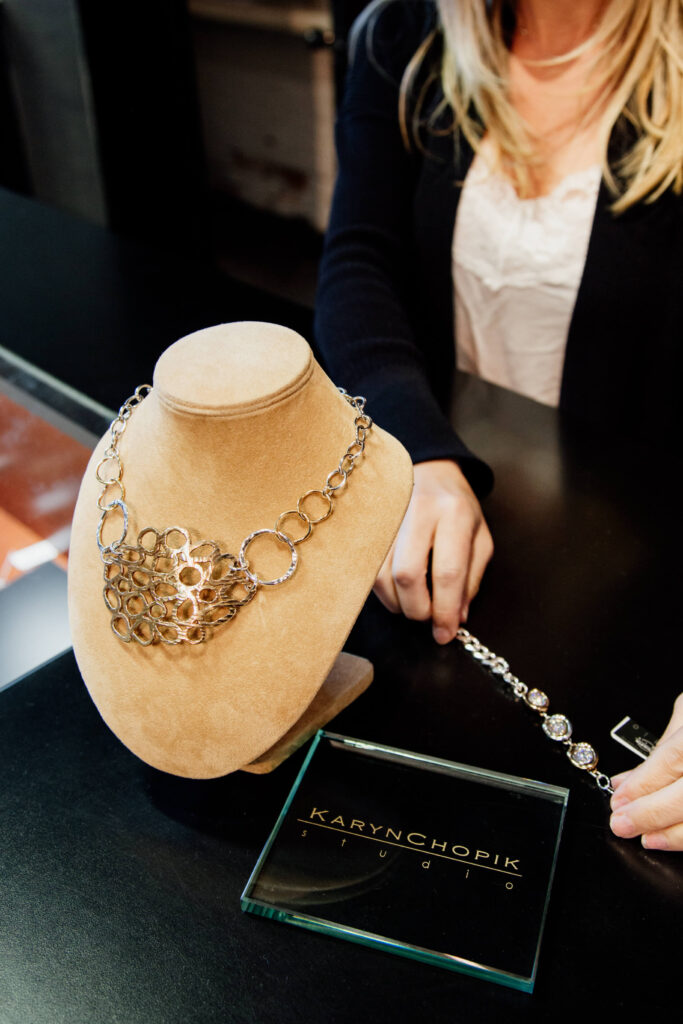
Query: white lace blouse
point(517, 265)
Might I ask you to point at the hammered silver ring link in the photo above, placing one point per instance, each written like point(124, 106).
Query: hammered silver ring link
point(283, 538)
point(169, 590)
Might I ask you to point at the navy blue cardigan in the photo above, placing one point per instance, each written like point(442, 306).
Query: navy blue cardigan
point(384, 310)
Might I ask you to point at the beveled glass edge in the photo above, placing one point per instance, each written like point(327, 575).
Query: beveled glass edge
point(548, 890)
point(449, 961)
point(559, 794)
point(281, 817)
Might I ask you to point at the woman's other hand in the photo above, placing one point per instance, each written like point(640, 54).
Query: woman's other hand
point(648, 801)
point(444, 518)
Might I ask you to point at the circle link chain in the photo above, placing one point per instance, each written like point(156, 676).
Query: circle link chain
point(166, 589)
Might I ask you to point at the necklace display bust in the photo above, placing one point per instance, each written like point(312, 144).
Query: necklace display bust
point(241, 422)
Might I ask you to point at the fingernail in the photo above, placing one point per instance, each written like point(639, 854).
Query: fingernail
point(621, 777)
point(655, 841)
point(622, 825)
point(464, 613)
point(619, 800)
point(441, 635)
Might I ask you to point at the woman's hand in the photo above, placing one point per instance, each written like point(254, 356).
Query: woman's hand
point(445, 518)
point(648, 801)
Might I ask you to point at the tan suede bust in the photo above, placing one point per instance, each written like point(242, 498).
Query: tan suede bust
point(241, 422)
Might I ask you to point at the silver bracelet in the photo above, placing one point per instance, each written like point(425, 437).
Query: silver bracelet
point(556, 727)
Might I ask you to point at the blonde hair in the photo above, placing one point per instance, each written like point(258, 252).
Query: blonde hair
point(637, 73)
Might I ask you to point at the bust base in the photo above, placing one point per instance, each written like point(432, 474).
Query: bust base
point(350, 676)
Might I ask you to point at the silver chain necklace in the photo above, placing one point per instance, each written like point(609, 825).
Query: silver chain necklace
point(556, 727)
point(165, 587)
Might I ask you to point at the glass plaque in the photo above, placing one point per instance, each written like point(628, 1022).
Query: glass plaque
point(425, 858)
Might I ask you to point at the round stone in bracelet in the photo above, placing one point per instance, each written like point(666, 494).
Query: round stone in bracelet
point(537, 699)
point(582, 755)
point(557, 727)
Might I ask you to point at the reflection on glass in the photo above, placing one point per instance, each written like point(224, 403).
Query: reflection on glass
point(425, 858)
point(46, 440)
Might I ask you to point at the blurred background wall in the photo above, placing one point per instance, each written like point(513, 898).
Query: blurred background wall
point(200, 125)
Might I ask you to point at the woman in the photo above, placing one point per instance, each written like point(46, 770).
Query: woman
point(564, 121)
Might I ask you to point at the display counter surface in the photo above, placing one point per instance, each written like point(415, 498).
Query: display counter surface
point(121, 885)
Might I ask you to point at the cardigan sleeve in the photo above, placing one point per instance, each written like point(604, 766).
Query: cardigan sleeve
point(362, 321)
